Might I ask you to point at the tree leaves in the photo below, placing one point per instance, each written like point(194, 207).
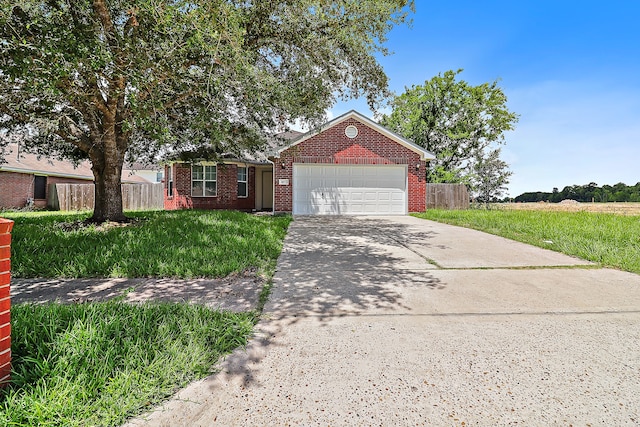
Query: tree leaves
point(452, 119)
point(103, 78)
point(488, 175)
point(188, 71)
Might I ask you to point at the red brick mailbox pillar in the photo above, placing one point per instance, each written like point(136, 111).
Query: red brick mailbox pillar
point(5, 300)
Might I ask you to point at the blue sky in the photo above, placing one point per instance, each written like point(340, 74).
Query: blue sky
point(571, 70)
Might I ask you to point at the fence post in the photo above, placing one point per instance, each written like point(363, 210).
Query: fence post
point(5, 300)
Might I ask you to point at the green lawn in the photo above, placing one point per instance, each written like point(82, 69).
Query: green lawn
point(178, 244)
point(101, 363)
point(608, 239)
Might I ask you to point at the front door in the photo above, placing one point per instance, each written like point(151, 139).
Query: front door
point(267, 190)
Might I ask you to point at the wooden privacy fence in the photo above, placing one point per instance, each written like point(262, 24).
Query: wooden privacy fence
point(78, 197)
point(447, 196)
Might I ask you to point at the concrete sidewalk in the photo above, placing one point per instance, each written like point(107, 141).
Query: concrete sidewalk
point(238, 292)
point(402, 321)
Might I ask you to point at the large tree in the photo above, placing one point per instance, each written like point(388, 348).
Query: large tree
point(452, 119)
point(104, 80)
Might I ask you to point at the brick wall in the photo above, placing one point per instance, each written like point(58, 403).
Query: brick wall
point(16, 188)
point(227, 189)
point(5, 300)
point(332, 146)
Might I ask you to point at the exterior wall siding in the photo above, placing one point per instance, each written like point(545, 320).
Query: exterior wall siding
point(227, 189)
point(16, 188)
point(332, 146)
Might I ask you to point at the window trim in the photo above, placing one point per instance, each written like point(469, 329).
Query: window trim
point(246, 182)
point(204, 179)
point(170, 181)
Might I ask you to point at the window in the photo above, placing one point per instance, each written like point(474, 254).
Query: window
point(351, 131)
point(170, 181)
point(242, 182)
point(40, 187)
point(203, 181)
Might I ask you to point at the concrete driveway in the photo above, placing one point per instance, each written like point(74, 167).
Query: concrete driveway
point(402, 321)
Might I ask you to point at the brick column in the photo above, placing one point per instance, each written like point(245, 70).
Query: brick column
point(5, 300)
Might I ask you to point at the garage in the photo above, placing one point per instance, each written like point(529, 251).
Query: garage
point(350, 165)
point(329, 189)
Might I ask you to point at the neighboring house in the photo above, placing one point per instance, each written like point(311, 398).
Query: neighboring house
point(25, 178)
point(350, 165)
point(150, 173)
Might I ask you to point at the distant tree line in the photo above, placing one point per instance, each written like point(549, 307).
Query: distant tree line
point(619, 192)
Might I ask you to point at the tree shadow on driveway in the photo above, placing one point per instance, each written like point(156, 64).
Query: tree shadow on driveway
point(331, 268)
point(342, 265)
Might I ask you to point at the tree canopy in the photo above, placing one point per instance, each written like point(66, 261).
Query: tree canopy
point(108, 80)
point(452, 119)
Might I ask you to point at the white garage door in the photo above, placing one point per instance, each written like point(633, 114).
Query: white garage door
point(349, 189)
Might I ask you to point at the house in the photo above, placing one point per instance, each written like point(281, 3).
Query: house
point(25, 178)
point(150, 173)
point(350, 165)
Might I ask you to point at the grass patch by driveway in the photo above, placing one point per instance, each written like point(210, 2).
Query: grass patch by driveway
point(608, 239)
point(177, 244)
point(100, 363)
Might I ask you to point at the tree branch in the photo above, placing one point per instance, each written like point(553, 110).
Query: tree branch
point(104, 17)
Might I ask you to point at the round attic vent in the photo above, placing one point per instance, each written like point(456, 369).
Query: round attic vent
point(351, 131)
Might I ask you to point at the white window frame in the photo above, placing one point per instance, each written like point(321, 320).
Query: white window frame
point(204, 180)
point(170, 181)
point(245, 181)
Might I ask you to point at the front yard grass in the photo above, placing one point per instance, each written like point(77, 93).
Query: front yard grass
point(607, 239)
point(176, 244)
point(101, 363)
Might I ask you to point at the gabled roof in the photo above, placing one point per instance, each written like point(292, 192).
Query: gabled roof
point(21, 162)
point(424, 154)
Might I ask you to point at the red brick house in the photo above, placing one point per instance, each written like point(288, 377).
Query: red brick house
point(25, 178)
point(350, 165)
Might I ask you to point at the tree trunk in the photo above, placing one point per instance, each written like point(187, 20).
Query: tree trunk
point(106, 165)
point(108, 195)
point(106, 152)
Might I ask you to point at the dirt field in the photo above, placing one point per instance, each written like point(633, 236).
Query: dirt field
point(616, 208)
